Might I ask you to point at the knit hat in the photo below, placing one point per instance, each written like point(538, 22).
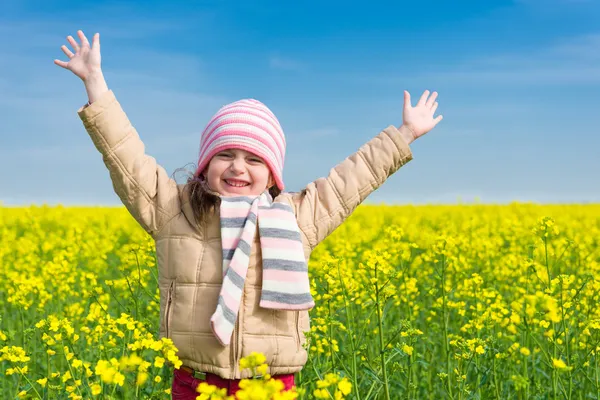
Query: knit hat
point(249, 125)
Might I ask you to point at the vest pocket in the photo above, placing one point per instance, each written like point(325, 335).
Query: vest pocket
point(169, 309)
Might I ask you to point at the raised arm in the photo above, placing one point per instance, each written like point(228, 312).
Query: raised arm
point(325, 203)
point(143, 186)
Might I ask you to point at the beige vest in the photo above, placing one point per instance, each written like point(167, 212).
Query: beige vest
point(189, 257)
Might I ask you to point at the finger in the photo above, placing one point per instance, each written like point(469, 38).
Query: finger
point(438, 119)
point(407, 99)
point(431, 100)
point(73, 43)
point(96, 41)
point(84, 40)
point(67, 52)
point(61, 63)
point(423, 98)
point(435, 106)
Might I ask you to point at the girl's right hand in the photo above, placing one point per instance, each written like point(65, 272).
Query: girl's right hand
point(85, 61)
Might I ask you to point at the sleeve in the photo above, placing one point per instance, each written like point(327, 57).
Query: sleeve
point(143, 186)
point(325, 203)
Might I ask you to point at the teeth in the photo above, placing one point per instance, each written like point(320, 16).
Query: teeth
point(237, 184)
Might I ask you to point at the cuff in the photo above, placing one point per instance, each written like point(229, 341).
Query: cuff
point(91, 110)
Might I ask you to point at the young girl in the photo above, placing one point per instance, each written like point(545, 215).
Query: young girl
point(232, 247)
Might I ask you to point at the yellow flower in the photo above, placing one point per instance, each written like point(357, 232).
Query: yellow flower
point(262, 369)
point(159, 362)
point(142, 377)
point(96, 389)
point(252, 361)
point(560, 364)
point(119, 379)
point(345, 386)
point(66, 376)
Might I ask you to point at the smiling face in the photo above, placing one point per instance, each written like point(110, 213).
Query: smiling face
point(237, 172)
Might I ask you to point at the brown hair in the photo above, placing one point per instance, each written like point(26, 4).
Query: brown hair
point(203, 200)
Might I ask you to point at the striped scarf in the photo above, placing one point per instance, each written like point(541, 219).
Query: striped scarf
point(285, 284)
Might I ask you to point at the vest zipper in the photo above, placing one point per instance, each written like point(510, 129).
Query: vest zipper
point(232, 349)
point(238, 346)
point(298, 341)
point(168, 309)
point(234, 341)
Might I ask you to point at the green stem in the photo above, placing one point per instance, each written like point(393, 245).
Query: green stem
point(70, 369)
point(31, 384)
point(22, 327)
point(445, 322)
point(597, 383)
point(476, 292)
point(350, 316)
point(547, 263)
point(554, 371)
point(133, 296)
point(562, 308)
point(431, 374)
point(526, 333)
point(495, 378)
point(409, 376)
point(331, 358)
point(381, 341)
point(47, 366)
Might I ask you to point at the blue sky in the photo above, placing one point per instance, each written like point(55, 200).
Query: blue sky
point(518, 85)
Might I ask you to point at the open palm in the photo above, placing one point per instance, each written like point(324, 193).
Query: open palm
point(85, 60)
point(420, 117)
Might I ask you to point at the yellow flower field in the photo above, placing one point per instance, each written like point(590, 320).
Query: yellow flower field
point(413, 302)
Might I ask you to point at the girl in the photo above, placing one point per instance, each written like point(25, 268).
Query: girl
point(232, 247)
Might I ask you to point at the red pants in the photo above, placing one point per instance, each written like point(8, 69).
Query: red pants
point(184, 384)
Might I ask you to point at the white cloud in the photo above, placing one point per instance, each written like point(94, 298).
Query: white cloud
point(570, 61)
point(287, 64)
point(573, 75)
point(580, 48)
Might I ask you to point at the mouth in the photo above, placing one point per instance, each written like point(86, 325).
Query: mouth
point(236, 183)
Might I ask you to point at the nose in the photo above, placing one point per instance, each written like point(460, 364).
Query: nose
point(237, 165)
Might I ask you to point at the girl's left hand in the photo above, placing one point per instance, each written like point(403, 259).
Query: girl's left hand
point(419, 119)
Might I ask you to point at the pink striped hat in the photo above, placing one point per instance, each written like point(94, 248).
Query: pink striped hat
point(248, 125)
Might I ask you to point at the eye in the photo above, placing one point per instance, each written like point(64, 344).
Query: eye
point(224, 155)
point(256, 160)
